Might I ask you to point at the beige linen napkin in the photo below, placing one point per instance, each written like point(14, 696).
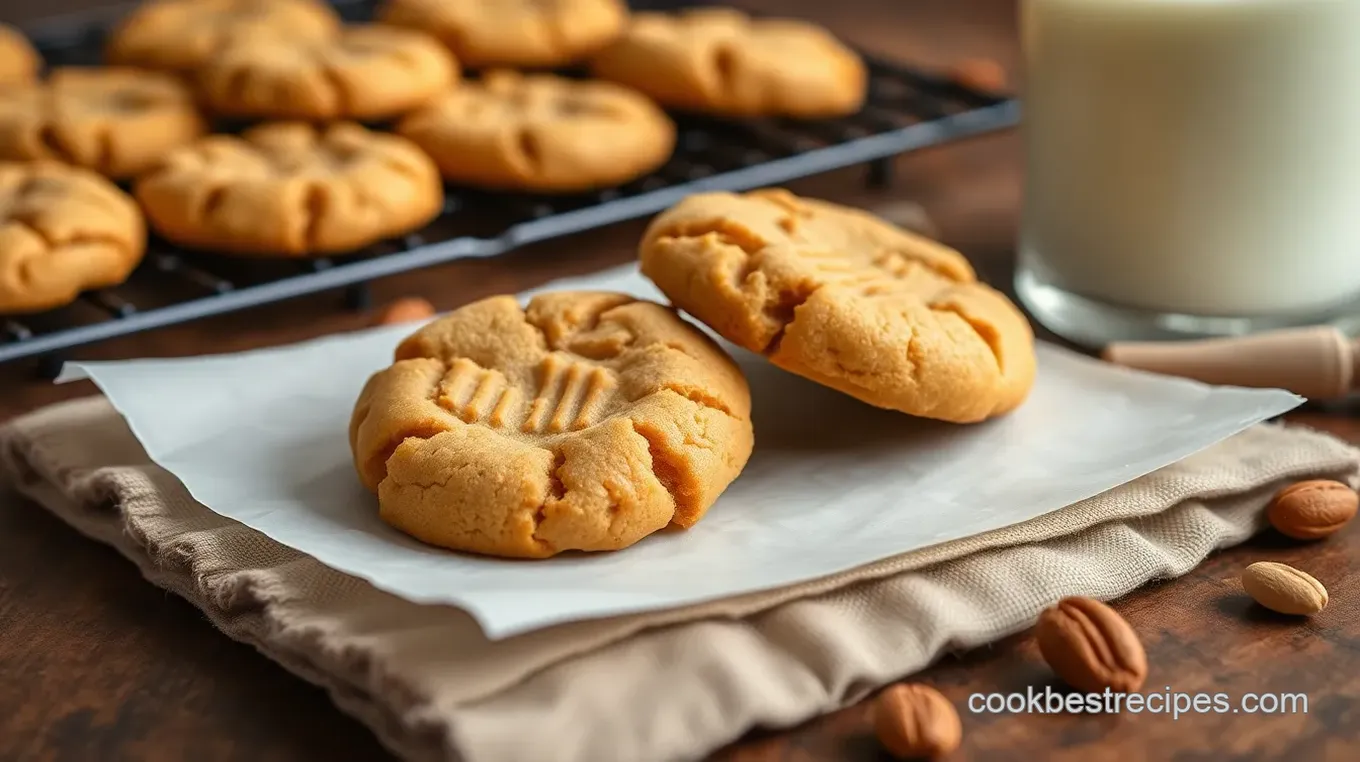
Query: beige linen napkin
point(665, 686)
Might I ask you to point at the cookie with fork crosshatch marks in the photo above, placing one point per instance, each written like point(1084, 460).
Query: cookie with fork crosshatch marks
point(530, 34)
point(19, 62)
point(115, 121)
point(290, 189)
point(181, 35)
point(845, 299)
point(366, 72)
point(541, 132)
point(721, 61)
point(63, 230)
point(586, 421)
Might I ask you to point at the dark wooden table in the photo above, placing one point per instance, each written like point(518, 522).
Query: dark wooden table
point(96, 664)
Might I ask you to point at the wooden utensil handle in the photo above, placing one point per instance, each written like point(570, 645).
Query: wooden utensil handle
point(1316, 362)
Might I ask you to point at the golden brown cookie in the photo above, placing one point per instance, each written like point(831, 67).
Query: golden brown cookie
point(115, 121)
point(19, 62)
point(364, 72)
point(720, 61)
point(181, 35)
point(845, 299)
point(542, 133)
point(513, 33)
point(63, 230)
point(585, 422)
point(289, 189)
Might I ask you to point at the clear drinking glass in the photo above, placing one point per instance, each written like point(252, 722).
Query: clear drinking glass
point(1192, 166)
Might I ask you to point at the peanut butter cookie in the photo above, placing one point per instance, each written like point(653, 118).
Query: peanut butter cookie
point(19, 62)
point(290, 189)
point(365, 72)
point(720, 61)
point(845, 299)
point(181, 35)
point(63, 230)
point(513, 33)
point(585, 422)
point(115, 121)
point(542, 133)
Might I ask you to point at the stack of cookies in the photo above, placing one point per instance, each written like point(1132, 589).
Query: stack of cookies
point(351, 129)
point(588, 421)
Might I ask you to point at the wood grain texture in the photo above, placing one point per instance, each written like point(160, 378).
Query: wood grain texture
point(95, 663)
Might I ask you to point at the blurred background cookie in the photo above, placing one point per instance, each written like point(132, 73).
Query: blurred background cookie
point(841, 297)
point(63, 230)
point(181, 35)
point(363, 72)
point(115, 121)
point(290, 189)
point(721, 61)
point(541, 132)
point(19, 62)
point(513, 33)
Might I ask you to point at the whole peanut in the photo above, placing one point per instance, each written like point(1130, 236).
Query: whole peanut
point(406, 310)
point(981, 74)
point(1091, 647)
point(1313, 509)
point(915, 721)
point(1284, 589)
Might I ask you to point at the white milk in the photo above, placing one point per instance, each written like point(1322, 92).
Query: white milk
point(1194, 156)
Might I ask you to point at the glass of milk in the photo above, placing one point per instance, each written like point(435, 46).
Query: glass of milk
point(1192, 166)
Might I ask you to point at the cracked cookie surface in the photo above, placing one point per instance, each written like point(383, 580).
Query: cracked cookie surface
point(542, 133)
point(181, 35)
point(116, 121)
point(585, 421)
point(845, 299)
point(721, 61)
point(290, 189)
point(19, 62)
point(366, 72)
point(513, 33)
point(62, 230)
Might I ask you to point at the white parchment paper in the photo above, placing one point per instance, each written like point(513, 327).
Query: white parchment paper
point(260, 437)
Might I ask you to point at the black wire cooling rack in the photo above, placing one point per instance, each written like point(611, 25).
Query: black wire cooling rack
point(907, 109)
